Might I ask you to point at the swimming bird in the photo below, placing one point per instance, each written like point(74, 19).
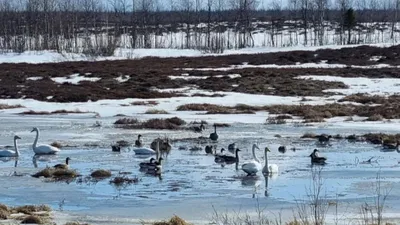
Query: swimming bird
point(227, 159)
point(42, 149)
point(147, 164)
point(115, 148)
point(316, 159)
point(200, 128)
point(139, 142)
point(269, 168)
point(218, 158)
point(232, 147)
point(209, 149)
point(11, 153)
point(63, 165)
point(214, 136)
point(324, 138)
point(254, 166)
point(282, 149)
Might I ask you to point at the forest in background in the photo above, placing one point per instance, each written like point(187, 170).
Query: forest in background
point(98, 28)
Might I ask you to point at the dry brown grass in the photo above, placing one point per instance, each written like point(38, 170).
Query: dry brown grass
point(4, 214)
point(173, 123)
point(314, 120)
point(175, 220)
point(375, 117)
point(275, 120)
point(101, 173)
point(59, 174)
point(218, 109)
point(364, 99)
point(30, 209)
point(56, 144)
point(124, 121)
point(144, 103)
point(309, 135)
point(156, 111)
point(7, 106)
point(62, 111)
point(122, 180)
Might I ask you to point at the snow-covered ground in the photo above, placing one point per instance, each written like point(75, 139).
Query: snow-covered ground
point(125, 53)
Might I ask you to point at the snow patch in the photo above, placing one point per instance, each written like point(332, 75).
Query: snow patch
point(34, 78)
point(378, 86)
point(74, 79)
point(123, 79)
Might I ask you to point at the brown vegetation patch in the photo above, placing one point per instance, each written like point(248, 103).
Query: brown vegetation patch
point(56, 174)
point(101, 173)
point(62, 111)
point(123, 143)
point(151, 73)
point(175, 220)
point(56, 144)
point(4, 214)
point(218, 109)
point(122, 180)
point(124, 121)
point(275, 120)
point(76, 223)
point(7, 106)
point(30, 209)
point(153, 103)
point(156, 111)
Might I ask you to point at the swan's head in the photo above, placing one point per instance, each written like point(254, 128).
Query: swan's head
point(34, 129)
point(222, 150)
point(16, 137)
point(267, 149)
point(256, 146)
point(139, 136)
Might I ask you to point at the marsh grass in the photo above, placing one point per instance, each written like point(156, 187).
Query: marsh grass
point(7, 106)
point(123, 180)
point(56, 144)
point(156, 111)
point(76, 223)
point(173, 123)
point(56, 174)
point(152, 103)
point(62, 111)
point(101, 173)
point(175, 220)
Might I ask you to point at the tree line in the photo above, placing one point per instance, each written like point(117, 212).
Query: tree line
point(95, 27)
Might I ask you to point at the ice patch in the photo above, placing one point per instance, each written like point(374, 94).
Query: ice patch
point(34, 78)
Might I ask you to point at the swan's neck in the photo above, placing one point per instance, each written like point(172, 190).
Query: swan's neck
point(66, 161)
point(266, 160)
point(36, 139)
point(158, 150)
point(16, 147)
point(215, 129)
point(254, 154)
point(237, 155)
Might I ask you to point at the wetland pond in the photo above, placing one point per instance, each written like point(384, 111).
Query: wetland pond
point(192, 185)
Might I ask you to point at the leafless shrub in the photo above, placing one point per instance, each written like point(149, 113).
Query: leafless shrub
point(375, 117)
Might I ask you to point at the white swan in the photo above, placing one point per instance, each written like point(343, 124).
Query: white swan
point(42, 149)
point(253, 167)
point(11, 153)
point(269, 168)
point(143, 151)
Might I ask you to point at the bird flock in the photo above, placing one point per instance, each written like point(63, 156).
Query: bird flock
point(162, 146)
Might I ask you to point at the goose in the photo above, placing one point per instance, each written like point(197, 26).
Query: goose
point(42, 149)
point(214, 136)
point(11, 153)
point(209, 149)
point(115, 148)
point(253, 167)
point(200, 128)
point(282, 149)
point(390, 146)
point(232, 147)
point(63, 165)
point(147, 164)
point(218, 158)
point(139, 142)
point(324, 138)
point(227, 159)
point(269, 168)
point(316, 159)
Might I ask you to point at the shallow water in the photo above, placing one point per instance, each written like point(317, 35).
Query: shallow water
point(191, 183)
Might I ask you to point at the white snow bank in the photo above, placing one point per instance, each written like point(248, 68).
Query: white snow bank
point(124, 53)
point(74, 79)
point(377, 86)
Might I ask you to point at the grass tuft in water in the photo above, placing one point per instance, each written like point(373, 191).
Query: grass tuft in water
point(32, 220)
point(175, 220)
point(101, 173)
